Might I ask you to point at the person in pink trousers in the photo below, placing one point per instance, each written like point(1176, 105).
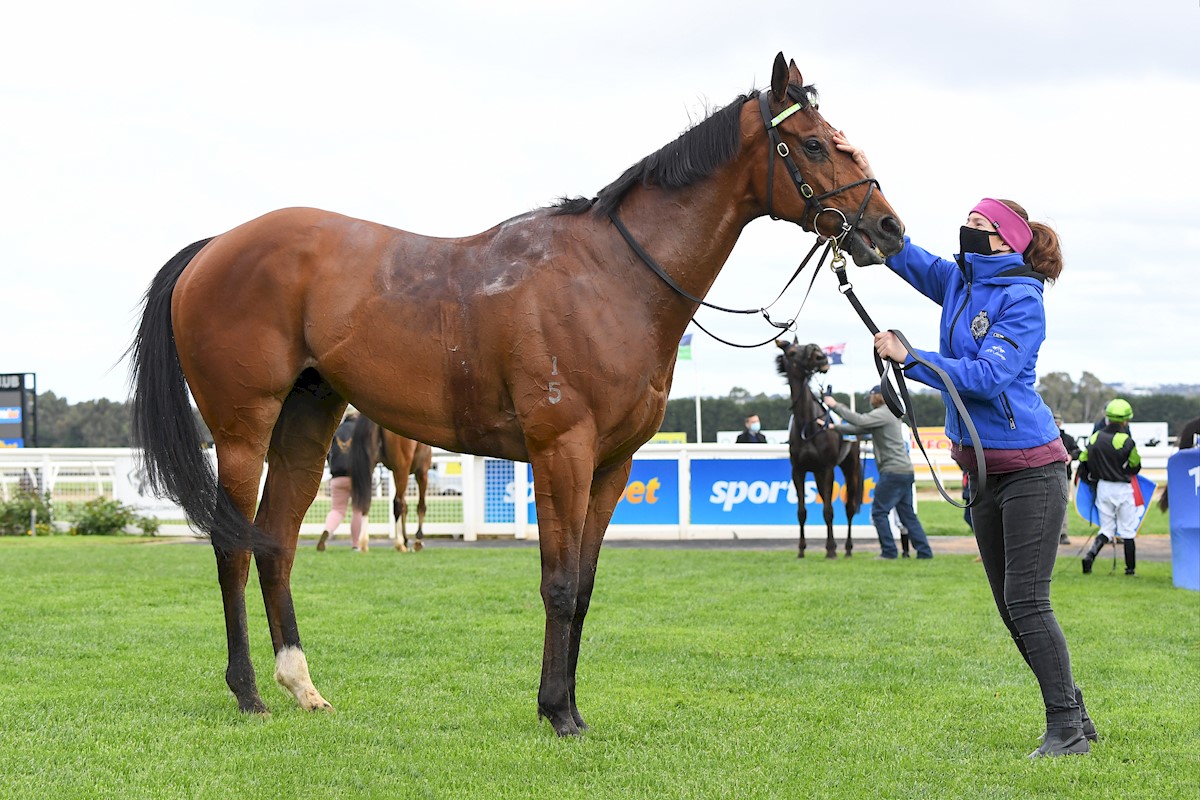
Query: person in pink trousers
point(339, 484)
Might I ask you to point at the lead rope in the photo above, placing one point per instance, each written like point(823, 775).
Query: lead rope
point(900, 402)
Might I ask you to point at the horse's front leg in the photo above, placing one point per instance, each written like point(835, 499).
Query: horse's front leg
point(801, 510)
point(825, 490)
point(607, 486)
point(562, 475)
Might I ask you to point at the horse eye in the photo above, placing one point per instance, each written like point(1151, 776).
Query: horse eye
point(813, 146)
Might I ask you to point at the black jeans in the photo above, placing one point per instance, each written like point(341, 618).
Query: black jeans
point(1017, 522)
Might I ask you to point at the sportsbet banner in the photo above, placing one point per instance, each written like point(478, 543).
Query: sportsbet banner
point(723, 492)
point(761, 492)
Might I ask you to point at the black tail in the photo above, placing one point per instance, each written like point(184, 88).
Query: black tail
point(364, 453)
point(164, 427)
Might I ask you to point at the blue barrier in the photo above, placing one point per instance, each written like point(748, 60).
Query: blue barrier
point(1183, 493)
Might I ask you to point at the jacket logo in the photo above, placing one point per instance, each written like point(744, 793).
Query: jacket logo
point(980, 325)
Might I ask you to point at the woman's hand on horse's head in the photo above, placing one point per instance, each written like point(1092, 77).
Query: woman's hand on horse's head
point(889, 347)
point(860, 158)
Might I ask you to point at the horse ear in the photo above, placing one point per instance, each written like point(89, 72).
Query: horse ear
point(779, 78)
point(794, 75)
point(781, 344)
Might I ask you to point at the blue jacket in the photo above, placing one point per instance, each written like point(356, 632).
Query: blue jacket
point(993, 324)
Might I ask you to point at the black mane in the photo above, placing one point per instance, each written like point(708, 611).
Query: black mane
point(698, 151)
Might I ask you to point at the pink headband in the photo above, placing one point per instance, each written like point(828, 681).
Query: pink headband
point(1011, 226)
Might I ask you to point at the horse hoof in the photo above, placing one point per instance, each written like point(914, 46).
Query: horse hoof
point(254, 706)
point(400, 548)
point(418, 546)
point(563, 727)
point(831, 555)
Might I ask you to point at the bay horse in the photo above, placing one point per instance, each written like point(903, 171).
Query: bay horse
point(548, 339)
point(815, 448)
point(373, 445)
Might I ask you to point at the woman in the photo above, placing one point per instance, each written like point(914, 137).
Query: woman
point(993, 323)
point(339, 483)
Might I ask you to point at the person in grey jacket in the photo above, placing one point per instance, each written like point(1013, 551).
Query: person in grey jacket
point(895, 472)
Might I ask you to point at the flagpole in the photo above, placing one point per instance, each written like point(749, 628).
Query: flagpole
point(699, 430)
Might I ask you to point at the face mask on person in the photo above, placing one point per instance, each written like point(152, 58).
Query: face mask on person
point(755, 427)
point(974, 240)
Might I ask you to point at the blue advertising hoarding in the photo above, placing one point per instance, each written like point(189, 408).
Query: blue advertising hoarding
point(745, 491)
point(651, 496)
point(726, 491)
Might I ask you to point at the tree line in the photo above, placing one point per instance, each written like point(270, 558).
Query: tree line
point(106, 423)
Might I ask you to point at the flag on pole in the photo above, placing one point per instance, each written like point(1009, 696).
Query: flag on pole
point(685, 348)
point(835, 351)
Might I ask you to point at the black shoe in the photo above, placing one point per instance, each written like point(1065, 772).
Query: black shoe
point(1062, 742)
point(1092, 552)
point(1086, 724)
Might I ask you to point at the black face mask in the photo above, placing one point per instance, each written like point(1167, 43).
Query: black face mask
point(974, 240)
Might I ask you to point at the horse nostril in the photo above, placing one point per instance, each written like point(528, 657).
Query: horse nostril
point(892, 227)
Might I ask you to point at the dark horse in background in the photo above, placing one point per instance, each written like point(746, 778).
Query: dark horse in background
point(1189, 436)
point(373, 445)
point(813, 447)
point(547, 339)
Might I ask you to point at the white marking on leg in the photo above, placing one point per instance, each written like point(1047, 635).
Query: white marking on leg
point(291, 673)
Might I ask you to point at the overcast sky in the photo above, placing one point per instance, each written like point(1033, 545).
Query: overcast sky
point(134, 128)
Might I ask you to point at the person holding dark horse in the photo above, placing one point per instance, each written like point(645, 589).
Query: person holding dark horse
point(993, 323)
point(895, 472)
point(339, 483)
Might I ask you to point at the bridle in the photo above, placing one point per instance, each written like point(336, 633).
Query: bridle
point(813, 208)
point(812, 201)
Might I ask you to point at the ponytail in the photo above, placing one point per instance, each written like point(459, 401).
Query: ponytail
point(1044, 253)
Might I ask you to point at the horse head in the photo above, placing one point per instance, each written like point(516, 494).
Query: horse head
point(822, 189)
point(799, 362)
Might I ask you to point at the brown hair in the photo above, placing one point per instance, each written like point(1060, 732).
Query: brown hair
point(1044, 253)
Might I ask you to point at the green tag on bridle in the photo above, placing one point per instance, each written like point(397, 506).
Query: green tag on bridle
point(787, 112)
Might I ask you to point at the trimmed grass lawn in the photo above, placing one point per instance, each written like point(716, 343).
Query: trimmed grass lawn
point(704, 673)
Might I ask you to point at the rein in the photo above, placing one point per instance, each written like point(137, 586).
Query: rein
point(900, 402)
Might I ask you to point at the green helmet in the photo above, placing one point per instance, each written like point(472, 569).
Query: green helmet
point(1119, 410)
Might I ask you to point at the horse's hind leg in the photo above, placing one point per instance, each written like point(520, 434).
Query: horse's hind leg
point(422, 487)
point(400, 514)
point(232, 571)
point(299, 443)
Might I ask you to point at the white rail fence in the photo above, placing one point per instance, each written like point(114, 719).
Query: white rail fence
point(676, 491)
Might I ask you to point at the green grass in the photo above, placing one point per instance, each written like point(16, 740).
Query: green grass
point(734, 674)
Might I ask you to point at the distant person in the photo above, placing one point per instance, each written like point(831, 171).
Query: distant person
point(752, 434)
point(339, 483)
point(1072, 448)
point(1110, 462)
point(896, 478)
